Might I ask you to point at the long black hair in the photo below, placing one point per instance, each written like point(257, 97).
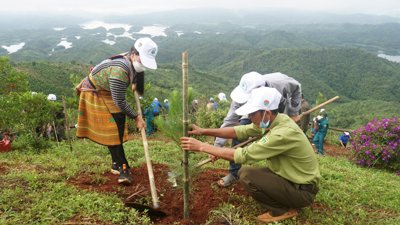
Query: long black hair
point(139, 76)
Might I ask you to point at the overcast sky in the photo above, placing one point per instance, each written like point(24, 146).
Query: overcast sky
point(376, 7)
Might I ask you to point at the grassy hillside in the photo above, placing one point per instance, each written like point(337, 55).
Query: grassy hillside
point(36, 188)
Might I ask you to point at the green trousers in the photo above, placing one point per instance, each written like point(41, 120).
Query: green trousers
point(276, 194)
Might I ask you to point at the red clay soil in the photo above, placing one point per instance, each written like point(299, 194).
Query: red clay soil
point(204, 196)
point(337, 151)
point(2, 170)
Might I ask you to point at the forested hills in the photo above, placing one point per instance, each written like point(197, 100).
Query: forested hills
point(353, 74)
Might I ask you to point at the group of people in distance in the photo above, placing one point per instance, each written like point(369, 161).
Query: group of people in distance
point(263, 106)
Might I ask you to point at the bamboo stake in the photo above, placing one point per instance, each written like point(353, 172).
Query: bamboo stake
point(153, 190)
point(66, 124)
point(185, 64)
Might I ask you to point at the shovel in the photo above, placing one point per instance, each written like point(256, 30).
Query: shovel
point(156, 204)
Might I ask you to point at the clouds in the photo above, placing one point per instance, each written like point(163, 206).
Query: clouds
point(385, 7)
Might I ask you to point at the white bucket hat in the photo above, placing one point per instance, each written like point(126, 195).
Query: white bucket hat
point(248, 82)
point(263, 98)
point(147, 49)
point(222, 96)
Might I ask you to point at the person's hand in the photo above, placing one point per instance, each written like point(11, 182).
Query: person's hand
point(190, 144)
point(195, 130)
point(212, 157)
point(133, 88)
point(140, 124)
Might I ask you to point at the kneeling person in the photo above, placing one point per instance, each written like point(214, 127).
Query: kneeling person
point(291, 176)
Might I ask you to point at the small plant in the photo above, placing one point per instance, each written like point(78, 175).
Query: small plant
point(377, 144)
point(172, 125)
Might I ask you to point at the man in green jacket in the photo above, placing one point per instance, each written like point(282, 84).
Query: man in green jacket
point(289, 181)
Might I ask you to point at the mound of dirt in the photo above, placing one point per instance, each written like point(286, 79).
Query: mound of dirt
point(205, 194)
point(337, 151)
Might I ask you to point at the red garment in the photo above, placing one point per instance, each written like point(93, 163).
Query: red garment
point(5, 144)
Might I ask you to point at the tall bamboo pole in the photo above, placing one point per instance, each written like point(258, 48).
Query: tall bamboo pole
point(185, 107)
point(156, 202)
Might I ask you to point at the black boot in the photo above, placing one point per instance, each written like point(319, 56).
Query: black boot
point(115, 159)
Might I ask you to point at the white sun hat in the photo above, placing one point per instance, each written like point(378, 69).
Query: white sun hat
point(147, 49)
point(262, 98)
point(52, 97)
point(248, 82)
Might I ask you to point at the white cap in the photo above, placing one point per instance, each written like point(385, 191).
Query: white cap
point(165, 100)
point(52, 97)
point(248, 82)
point(346, 133)
point(263, 98)
point(211, 99)
point(222, 96)
point(319, 117)
point(155, 99)
point(322, 110)
point(147, 49)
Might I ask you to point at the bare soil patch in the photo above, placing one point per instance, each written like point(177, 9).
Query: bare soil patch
point(337, 151)
point(205, 194)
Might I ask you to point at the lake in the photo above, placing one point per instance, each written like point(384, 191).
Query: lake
point(393, 58)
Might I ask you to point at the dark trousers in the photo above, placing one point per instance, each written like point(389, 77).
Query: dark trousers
point(233, 167)
point(275, 193)
point(117, 151)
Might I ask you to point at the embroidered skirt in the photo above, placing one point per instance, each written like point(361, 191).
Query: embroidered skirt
point(95, 120)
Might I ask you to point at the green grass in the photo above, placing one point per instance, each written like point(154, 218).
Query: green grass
point(34, 190)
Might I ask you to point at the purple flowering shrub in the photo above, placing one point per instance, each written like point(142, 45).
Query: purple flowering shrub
point(377, 144)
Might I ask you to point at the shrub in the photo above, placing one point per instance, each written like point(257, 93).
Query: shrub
point(26, 114)
point(377, 144)
point(212, 119)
